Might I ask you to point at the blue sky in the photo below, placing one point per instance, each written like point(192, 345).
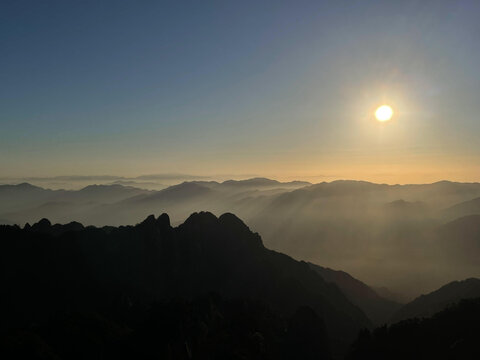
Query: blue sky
point(276, 88)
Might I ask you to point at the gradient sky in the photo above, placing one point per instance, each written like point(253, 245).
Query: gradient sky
point(284, 89)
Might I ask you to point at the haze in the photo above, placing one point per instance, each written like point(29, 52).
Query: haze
point(239, 179)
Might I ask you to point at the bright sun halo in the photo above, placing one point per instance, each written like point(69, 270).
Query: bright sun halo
point(384, 113)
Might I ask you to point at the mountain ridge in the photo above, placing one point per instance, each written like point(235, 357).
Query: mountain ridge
point(431, 303)
point(153, 259)
point(377, 308)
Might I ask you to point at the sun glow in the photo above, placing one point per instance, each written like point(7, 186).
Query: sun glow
point(384, 113)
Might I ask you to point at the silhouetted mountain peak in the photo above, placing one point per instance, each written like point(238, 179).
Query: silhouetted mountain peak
point(161, 224)
point(443, 182)
point(42, 226)
point(149, 221)
point(200, 219)
point(109, 189)
point(232, 221)
point(226, 231)
point(163, 221)
point(71, 226)
point(95, 187)
point(22, 186)
point(181, 192)
point(344, 188)
point(227, 220)
point(261, 182)
point(258, 181)
point(234, 227)
point(186, 185)
point(26, 185)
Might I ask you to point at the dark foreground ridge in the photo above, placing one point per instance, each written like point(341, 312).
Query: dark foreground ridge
point(205, 289)
point(450, 334)
point(378, 309)
point(427, 305)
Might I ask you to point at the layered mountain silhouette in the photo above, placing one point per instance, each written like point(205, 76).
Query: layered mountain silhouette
point(471, 207)
point(384, 234)
point(259, 183)
point(460, 240)
point(449, 334)
point(23, 201)
point(71, 269)
point(450, 294)
point(388, 294)
point(378, 309)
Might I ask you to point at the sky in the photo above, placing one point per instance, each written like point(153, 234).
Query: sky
point(283, 89)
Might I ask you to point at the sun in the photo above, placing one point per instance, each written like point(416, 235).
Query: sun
point(384, 113)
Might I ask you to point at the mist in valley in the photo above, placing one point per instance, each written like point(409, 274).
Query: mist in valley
point(245, 180)
point(410, 239)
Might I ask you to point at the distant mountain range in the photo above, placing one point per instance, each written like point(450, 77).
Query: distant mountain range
point(459, 241)
point(24, 197)
point(262, 193)
point(470, 207)
point(383, 234)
